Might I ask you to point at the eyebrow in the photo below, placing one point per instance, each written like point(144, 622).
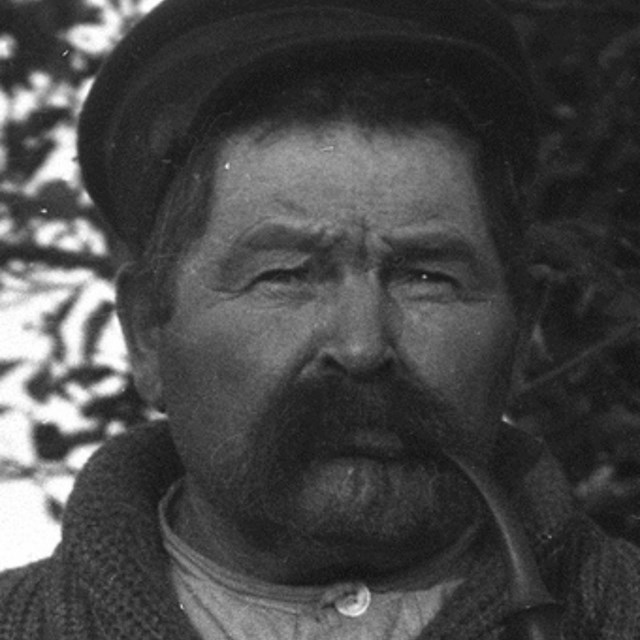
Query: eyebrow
point(274, 235)
point(449, 246)
point(418, 241)
point(304, 237)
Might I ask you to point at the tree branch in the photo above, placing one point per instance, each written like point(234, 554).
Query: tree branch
point(620, 335)
point(102, 266)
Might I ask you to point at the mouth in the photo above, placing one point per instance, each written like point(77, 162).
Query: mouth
point(382, 446)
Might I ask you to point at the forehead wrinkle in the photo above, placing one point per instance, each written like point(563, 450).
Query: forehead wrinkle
point(352, 232)
point(290, 233)
point(331, 229)
point(278, 232)
point(415, 235)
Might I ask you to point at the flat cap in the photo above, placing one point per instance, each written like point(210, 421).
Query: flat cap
point(138, 120)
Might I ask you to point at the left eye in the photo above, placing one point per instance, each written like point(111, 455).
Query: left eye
point(427, 283)
point(422, 276)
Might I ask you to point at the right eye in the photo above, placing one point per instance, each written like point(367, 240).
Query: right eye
point(288, 283)
point(297, 275)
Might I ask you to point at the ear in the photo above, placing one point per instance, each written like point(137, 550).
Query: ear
point(138, 318)
point(528, 328)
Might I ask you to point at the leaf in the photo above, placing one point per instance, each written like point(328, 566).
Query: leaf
point(88, 375)
point(55, 508)
point(49, 442)
point(8, 365)
point(94, 326)
point(53, 324)
point(126, 406)
point(41, 385)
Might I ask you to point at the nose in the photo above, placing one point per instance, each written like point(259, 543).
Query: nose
point(360, 340)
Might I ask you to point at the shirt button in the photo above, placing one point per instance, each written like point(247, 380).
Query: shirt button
point(354, 604)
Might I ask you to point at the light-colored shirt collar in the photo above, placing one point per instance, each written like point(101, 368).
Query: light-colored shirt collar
point(221, 603)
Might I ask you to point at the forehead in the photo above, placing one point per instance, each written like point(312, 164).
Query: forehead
point(342, 177)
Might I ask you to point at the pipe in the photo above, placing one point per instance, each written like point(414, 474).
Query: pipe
point(534, 614)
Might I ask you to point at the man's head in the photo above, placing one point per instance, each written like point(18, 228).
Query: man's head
point(379, 97)
point(325, 305)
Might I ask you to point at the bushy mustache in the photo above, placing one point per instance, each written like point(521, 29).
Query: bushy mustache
point(315, 417)
point(318, 418)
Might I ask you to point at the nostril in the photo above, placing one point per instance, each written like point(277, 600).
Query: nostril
point(380, 369)
point(358, 364)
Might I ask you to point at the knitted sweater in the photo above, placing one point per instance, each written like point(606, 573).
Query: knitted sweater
point(109, 577)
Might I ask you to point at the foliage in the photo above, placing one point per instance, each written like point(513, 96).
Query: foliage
point(57, 261)
point(579, 385)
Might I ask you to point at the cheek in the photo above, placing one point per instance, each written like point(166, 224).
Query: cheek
point(220, 367)
point(227, 359)
point(466, 353)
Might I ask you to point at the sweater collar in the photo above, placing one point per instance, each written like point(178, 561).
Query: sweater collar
point(112, 550)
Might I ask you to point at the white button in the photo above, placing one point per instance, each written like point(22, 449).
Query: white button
point(356, 603)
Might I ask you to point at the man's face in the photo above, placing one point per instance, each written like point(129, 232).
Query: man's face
point(344, 310)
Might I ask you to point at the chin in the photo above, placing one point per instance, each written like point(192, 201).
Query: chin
point(393, 508)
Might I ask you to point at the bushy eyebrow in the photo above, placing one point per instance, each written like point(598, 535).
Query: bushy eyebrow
point(273, 235)
point(285, 235)
point(303, 236)
point(414, 242)
point(406, 243)
point(443, 246)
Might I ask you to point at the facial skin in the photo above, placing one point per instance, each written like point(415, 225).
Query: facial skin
point(344, 277)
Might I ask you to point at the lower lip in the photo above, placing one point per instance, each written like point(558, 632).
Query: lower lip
point(353, 467)
point(382, 455)
point(379, 446)
point(360, 479)
point(378, 457)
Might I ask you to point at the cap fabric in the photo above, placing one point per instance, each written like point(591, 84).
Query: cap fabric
point(137, 123)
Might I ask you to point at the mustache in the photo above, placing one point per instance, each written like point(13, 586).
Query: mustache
point(311, 419)
point(329, 415)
